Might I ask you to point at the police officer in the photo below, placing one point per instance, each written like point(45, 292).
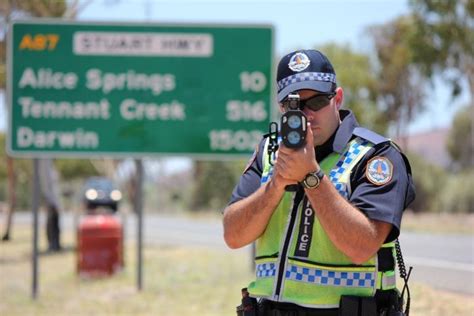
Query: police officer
point(328, 247)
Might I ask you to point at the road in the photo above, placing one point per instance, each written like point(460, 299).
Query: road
point(442, 261)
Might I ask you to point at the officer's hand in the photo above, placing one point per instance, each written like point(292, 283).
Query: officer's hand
point(294, 164)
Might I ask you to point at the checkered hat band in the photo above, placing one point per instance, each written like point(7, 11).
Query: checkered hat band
point(306, 76)
point(265, 270)
point(348, 157)
point(331, 278)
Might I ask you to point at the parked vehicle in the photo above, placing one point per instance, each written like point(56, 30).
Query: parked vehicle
point(100, 192)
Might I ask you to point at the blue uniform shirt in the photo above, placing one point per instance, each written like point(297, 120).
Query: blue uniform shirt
point(384, 202)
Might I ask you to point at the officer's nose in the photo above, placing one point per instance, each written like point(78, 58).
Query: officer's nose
point(309, 114)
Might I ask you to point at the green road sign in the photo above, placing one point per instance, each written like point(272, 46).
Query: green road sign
point(81, 89)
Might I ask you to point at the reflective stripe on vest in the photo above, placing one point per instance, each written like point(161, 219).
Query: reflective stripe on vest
point(320, 276)
point(310, 271)
point(339, 175)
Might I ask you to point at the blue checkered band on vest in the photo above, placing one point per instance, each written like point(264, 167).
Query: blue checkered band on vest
point(266, 177)
point(306, 76)
point(344, 163)
point(333, 278)
point(265, 270)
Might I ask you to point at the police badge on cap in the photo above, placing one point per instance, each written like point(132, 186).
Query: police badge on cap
point(299, 62)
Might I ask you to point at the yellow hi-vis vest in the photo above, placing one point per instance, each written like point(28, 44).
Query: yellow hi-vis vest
point(296, 261)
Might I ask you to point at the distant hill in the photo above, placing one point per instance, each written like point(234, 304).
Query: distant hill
point(430, 145)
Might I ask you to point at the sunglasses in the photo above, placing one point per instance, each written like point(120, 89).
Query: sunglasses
point(315, 103)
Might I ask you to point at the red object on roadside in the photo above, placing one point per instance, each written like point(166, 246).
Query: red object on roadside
point(99, 246)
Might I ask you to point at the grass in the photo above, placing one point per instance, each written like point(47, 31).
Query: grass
point(442, 223)
point(177, 281)
point(427, 301)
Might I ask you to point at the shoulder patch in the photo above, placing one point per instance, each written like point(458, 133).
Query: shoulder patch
point(379, 170)
point(369, 135)
point(252, 159)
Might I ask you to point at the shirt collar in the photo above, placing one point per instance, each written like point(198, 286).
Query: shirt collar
point(344, 131)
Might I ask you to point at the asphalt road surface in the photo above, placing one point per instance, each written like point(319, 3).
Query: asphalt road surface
point(442, 261)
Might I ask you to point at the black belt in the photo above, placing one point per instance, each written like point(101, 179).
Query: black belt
point(271, 308)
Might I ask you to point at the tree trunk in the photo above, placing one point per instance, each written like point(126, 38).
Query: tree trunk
point(11, 199)
point(196, 198)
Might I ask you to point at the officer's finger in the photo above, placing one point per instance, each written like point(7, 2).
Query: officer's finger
point(283, 148)
point(282, 168)
point(309, 136)
point(285, 153)
point(282, 158)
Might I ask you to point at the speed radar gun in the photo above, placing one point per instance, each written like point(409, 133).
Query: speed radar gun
point(292, 131)
point(293, 124)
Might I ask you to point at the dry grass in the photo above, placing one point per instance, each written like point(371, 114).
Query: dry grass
point(439, 223)
point(427, 301)
point(177, 281)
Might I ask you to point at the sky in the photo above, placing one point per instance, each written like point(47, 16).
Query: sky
point(297, 24)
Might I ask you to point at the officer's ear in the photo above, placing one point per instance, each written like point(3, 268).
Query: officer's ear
point(339, 98)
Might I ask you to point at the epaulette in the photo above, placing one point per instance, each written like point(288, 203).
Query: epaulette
point(397, 147)
point(377, 139)
point(369, 135)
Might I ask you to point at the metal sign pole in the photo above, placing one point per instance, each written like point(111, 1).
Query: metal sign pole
point(139, 213)
point(35, 206)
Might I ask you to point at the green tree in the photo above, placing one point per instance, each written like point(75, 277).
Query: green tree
point(429, 181)
point(459, 146)
point(214, 181)
point(23, 174)
point(456, 195)
point(356, 76)
point(443, 42)
point(72, 169)
point(440, 191)
point(400, 83)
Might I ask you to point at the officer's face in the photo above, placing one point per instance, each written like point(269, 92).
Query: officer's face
point(325, 121)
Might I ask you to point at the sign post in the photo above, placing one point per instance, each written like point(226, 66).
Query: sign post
point(35, 205)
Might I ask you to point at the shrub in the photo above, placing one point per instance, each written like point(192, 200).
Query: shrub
point(429, 181)
point(457, 193)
